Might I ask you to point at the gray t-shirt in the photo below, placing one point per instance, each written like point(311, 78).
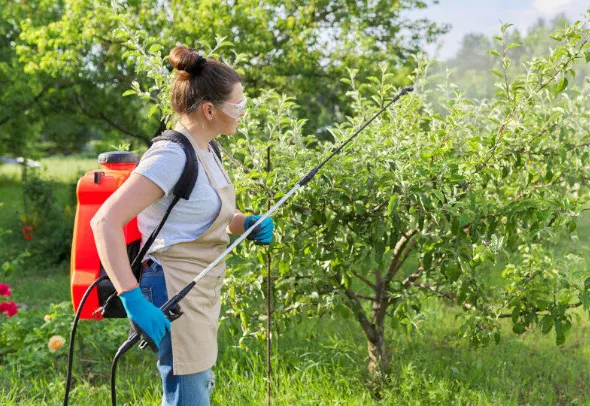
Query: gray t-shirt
point(163, 164)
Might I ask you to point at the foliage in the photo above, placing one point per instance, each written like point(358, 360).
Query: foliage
point(52, 218)
point(9, 265)
point(469, 69)
point(25, 340)
point(71, 62)
point(316, 360)
point(423, 204)
point(9, 309)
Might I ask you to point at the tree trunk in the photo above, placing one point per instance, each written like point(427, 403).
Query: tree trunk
point(379, 362)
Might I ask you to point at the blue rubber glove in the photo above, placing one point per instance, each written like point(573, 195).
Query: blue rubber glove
point(149, 318)
point(261, 234)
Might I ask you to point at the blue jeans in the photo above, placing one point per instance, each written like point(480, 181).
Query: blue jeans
point(179, 390)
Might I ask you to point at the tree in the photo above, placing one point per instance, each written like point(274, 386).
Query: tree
point(476, 57)
point(423, 204)
point(76, 52)
point(21, 93)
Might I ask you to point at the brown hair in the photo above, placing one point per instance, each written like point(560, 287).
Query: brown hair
point(199, 79)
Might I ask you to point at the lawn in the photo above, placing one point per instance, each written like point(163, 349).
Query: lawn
point(315, 361)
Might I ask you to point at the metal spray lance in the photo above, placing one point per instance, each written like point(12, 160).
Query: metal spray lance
point(172, 308)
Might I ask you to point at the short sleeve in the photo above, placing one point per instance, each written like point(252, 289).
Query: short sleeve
point(163, 164)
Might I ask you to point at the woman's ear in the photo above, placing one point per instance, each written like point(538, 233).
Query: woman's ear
point(207, 110)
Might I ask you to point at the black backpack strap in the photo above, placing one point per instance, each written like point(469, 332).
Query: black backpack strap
point(187, 180)
point(182, 190)
point(136, 264)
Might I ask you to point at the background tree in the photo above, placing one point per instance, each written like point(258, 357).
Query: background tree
point(477, 56)
point(74, 52)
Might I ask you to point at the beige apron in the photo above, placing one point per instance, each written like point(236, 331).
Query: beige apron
point(194, 334)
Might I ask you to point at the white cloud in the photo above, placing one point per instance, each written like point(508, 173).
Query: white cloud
point(550, 7)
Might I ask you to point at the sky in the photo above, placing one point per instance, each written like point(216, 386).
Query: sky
point(483, 16)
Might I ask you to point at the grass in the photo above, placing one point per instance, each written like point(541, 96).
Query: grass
point(315, 361)
point(62, 168)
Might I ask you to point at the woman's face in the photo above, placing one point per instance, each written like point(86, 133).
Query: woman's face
point(224, 123)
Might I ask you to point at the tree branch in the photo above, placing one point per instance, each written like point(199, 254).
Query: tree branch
point(450, 296)
point(355, 305)
point(103, 117)
point(233, 160)
point(382, 285)
point(363, 278)
point(395, 263)
point(22, 107)
point(413, 277)
point(371, 298)
point(506, 120)
point(469, 306)
point(578, 146)
point(536, 310)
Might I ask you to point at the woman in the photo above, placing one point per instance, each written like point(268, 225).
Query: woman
point(207, 96)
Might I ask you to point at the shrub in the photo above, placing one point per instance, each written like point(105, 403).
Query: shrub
point(51, 218)
point(38, 339)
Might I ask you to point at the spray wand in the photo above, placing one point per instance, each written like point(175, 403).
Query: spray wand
point(171, 308)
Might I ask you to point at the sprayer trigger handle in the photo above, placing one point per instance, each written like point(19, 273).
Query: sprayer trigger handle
point(173, 313)
point(146, 340)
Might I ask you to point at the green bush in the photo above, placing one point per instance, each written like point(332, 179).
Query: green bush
point(25, 338)
point(51, 218)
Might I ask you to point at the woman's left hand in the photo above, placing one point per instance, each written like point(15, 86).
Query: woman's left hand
point(262, 234)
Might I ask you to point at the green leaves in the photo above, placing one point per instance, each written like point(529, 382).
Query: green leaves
point(585, 299)
point(518, 328)
point(547, 324)
point(392, 205)
point(560, 86)
point(129, 92)
point(155, 48)
point(505, 27)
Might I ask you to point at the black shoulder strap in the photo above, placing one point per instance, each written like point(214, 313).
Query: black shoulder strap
point(182, 189)
point(215, 147)
point(188, 178)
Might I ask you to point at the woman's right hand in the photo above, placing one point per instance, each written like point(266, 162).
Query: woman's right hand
point(144, 314)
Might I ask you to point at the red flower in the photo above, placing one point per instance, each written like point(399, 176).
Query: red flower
point(5, 290)
point(9, 308)
point(28, 232)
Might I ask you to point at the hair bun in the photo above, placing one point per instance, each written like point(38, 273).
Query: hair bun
point(197, 67)
point(187, 60)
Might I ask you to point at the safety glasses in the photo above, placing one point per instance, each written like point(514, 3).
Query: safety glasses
point(234, 110)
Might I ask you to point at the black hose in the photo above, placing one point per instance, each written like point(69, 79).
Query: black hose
point(113, 378)
point(73, 336)
point(133, 339)
point(122, 349)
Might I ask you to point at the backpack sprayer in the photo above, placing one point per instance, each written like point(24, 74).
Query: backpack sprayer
point(171, 308)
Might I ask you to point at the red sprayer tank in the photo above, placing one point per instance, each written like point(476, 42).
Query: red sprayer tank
point(92, 191)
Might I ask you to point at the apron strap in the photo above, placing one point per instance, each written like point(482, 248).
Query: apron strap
point(207, 169)
point(218, 160)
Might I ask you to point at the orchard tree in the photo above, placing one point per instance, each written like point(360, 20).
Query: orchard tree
point(422, 204)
